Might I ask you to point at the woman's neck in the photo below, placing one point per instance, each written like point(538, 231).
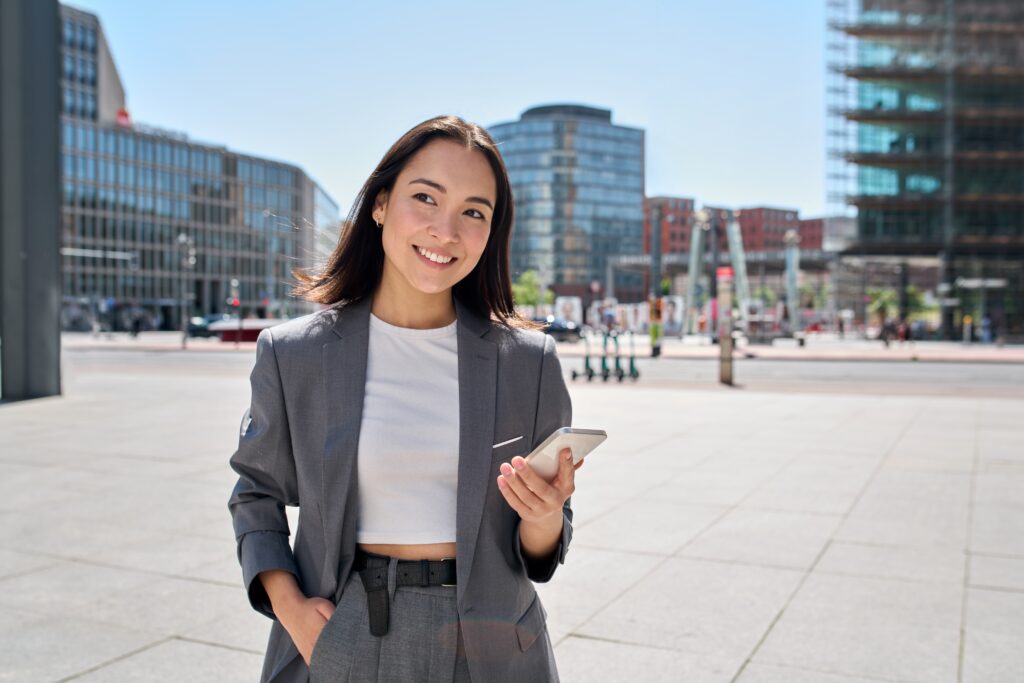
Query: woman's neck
point(412, 308)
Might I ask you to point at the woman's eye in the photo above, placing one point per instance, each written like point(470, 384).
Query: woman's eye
point(424, 194)
point(478, 214)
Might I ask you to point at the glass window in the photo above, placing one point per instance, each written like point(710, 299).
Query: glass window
point(69, 32)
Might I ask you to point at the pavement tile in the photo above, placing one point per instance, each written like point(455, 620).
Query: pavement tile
point(997, 572)
point(71, 589)
point(912, 563)
point(998, 530)
point(53, 647)
point(166, 554)
point(659, 527)
point(992, 649)
point(13, 562)
point(778, 539)
point(759, 672)
point(180, 660)
point(243, 629)
point(1003, 489)
point(872, 628)
point(712, 609)
point(585, 660)
point(589, 580)
point(907, 522)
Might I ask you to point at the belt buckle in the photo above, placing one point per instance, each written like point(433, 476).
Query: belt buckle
point(449, 584)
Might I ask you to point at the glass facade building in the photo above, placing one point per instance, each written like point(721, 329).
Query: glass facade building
point(926, 131)
point(578, 183)
point(150, 217)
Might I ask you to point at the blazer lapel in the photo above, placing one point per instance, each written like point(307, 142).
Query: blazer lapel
point(344, 383)
point(478, 386)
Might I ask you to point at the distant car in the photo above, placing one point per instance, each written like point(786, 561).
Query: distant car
point(199, 326)
point(560, 329)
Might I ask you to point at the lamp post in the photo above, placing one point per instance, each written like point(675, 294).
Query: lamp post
point(188, 262)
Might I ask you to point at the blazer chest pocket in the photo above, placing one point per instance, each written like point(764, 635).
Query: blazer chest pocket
point(506, 449)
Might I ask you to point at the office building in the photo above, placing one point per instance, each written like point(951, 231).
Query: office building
point(151, 217)
point(578, 183)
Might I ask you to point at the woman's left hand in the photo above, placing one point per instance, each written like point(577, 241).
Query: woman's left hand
point(528, 494)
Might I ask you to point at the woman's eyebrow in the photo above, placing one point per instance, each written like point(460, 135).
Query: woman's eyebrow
point(440, 188)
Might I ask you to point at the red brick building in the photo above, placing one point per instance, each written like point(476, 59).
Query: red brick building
point(676, 223)
point(763, 227)
point(812, 233)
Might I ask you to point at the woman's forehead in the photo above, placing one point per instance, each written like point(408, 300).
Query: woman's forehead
point(453, 166)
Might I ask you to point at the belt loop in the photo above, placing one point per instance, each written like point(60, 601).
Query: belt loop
point(424, 573)
point(392, 577)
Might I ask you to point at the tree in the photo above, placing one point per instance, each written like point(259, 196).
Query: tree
point(526, 290)
point(765, 294)
point(884, 302)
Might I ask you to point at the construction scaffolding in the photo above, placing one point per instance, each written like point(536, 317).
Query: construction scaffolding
point(925, 134)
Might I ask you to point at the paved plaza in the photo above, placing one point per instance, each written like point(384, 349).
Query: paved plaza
point(758, 535)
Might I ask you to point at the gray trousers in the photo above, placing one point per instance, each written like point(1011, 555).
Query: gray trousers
point(423, 642)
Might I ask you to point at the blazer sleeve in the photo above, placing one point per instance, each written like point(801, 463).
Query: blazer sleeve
point(554, 410)
point(266, 479)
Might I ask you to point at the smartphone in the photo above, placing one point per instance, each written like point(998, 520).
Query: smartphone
point(544, 458)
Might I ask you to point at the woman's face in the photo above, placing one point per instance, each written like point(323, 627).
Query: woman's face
point(437, 217)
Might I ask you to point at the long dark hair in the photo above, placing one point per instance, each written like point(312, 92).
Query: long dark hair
point(354, 269)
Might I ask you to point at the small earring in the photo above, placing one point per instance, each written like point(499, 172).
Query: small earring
point(379, 225)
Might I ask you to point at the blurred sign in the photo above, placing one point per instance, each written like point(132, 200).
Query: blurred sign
point(979, 283)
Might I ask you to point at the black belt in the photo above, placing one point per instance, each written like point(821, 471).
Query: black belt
point(373, 571)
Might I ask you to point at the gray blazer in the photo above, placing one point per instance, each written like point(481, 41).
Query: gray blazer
point(298, 444)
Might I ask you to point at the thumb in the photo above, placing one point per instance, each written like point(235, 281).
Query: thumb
point(565, 468)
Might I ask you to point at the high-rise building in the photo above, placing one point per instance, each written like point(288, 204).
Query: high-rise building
point(926, 138)
point(578, 183)
point(151, 217)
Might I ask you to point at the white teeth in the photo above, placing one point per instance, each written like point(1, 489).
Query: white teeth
point(434, 257)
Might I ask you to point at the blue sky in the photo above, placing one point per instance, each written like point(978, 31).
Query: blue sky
point(730, 92)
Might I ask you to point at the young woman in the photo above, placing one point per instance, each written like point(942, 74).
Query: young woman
point(397, 420)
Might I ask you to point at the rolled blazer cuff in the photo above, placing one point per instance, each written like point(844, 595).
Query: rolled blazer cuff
point(541, 571)
point(260, 551)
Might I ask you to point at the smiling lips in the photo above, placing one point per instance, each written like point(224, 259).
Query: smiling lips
point(434, 259)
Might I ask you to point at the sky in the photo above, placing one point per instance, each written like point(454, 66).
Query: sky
point(729, 92)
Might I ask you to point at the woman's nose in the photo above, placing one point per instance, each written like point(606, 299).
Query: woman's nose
point(445, 227)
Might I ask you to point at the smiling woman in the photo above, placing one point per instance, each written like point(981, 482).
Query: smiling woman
point(397, 420)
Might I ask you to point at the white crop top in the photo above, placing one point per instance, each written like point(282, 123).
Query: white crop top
point(408, 457)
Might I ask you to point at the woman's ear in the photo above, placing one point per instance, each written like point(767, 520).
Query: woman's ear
point(380, 204)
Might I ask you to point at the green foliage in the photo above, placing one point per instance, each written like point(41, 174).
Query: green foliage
point(666, 286)
point(765, 294)
point(884, 302)
point(526, 290)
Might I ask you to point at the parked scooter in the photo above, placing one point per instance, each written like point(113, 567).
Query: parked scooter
point(588, 371)
point(634, 374)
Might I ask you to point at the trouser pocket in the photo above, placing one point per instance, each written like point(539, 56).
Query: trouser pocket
point(333, 651)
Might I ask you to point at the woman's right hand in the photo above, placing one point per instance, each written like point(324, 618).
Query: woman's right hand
point(304, 619)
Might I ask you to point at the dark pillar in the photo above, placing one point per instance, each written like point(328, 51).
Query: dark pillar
point(30, 289)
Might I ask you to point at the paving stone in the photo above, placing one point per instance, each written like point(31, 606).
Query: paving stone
point(872, 628)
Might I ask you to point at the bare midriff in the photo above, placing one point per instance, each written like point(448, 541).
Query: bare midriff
point(418, 551)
